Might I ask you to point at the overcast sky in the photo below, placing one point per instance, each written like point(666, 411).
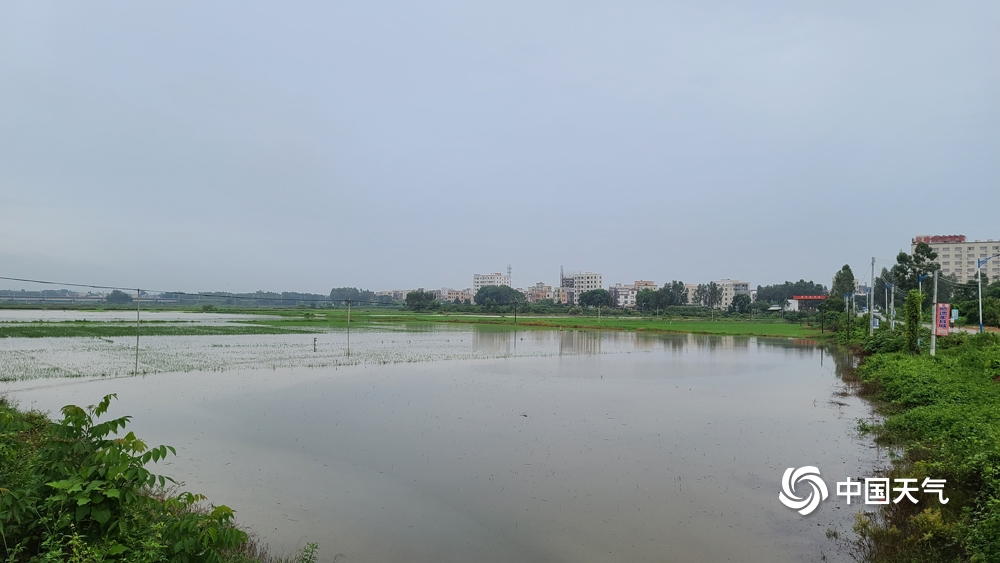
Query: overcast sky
point(301, 146)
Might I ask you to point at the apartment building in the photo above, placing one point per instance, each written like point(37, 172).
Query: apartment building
point(587, 281)
point(730, 289)
point(450, 295)
point(624, 295)
point(958, 256)
point(574, 284)
point(538, 292)
point(480, 281)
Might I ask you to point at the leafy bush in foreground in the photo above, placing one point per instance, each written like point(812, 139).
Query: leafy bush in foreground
point(74, 492)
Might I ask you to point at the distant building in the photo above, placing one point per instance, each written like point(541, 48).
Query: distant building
point(450, 295)
point(576, 283)
point(624, 295)
point(690, 288)
point(480, 281)
point(730, 289)
point(538, 292)
point(958, 256)
point(804, 302)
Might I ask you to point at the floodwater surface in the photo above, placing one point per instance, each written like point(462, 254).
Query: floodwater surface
point(579, 446)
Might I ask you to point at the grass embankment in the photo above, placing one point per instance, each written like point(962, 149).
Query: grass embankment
point(945, 413)
point(338, 318)
point(79, 490)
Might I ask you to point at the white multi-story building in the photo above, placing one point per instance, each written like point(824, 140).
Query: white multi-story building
point(730, 289)
point(587, 281)
point(624, 295)
point(480, 281)
point(958, 256)
point(450, 295)
point(575, 284)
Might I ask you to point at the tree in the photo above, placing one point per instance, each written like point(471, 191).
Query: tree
point(118, 297)
point(969, 291)
point(595, 298)
point(991, 290)
point(843, 284)
point(713, 295)
point(671, 294)
point(781, 293)
point(741, 303)
point(341, 294)
point(909, 267)
point(674, 293)
point(498, 295)
point(701, 294)
point(913, 299)
point(419, 300)
point(647, 299)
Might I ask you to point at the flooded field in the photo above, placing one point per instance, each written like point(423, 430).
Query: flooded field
point(465, 444)
point(55, 315)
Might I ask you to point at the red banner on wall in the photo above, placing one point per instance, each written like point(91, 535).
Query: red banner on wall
point(941, 320)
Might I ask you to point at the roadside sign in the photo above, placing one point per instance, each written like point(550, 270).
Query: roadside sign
point(941, 319)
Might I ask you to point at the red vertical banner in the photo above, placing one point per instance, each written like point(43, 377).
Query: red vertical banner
point(942, 318)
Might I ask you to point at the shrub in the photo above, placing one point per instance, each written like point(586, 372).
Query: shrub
point(73, 491)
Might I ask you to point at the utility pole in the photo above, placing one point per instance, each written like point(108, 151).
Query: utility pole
point(892, 325)
point(348, 328)
point(847, 313)
point(871, 300)
point(979, 278)
point(138, 298)
point(934, 316)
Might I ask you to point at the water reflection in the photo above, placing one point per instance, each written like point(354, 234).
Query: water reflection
point(505, 341)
